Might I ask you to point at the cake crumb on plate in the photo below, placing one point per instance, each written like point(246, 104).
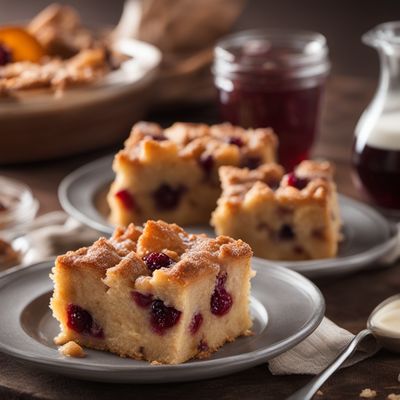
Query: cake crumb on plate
point(368, 393)
point(72, 349)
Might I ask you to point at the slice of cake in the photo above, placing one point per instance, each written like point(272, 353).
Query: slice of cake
point(172, 174)
point(158, 294)
point(282, 217)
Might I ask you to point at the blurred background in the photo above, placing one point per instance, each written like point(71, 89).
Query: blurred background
point(184, 89)
point(342, 22)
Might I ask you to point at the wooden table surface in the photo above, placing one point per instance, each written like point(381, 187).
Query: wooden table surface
point(349, 299)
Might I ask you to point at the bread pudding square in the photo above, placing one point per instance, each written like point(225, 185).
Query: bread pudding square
point(283, 217)
point(172, 174)
point(157, 293)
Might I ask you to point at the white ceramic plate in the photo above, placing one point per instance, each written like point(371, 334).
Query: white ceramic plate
point(368, 235)
point(285, 307)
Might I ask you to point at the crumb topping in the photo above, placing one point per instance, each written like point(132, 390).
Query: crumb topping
point(269, 181)
point(87, 66)
point(55, 51)
point(100, 255)
point(126, 238)
point(223, 141)
point(321, 169)
point(236, 182)
point(126, 251)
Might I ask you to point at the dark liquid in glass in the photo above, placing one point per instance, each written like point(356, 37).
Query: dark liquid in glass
point(379, 173)
point(291, 112)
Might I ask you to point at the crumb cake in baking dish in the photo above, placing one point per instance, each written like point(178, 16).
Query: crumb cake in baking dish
point(283, 217)
point(157, 293)
point(172, 174)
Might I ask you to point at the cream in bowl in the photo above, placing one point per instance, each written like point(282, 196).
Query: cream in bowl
point(384, 322)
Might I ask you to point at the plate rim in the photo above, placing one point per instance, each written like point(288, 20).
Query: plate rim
point(69, 208)
point(240, 361)
point(349, 263)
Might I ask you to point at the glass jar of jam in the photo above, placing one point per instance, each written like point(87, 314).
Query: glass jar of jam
point(376, 150)
point(274, 78)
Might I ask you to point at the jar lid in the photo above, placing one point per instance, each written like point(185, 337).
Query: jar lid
point(272, 52)
point(386, 35)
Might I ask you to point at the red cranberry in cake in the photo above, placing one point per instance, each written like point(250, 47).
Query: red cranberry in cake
point(251, 162)
point(237, 141)
point(286, 232)
point(155, 293)
point(142, 300)
point(176, 179)
point(207, 163)
point(167, 197)
point(81, 321)
point(299, 183)
point(203, 346)
point(221, 300)
point(282, 217)
point(163, 317)
point(157, 260)
point(126, 199)
point(78, 319)
point(195, 323)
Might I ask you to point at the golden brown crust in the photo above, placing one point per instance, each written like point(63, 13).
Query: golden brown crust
point(314, 169)
point(101, 255)
point(191, 140)
point(191, 267)
point(238, 181)
point(159, 236)
point(129, 268)
point(194, 255)
point(126, 237)
point(268, 181)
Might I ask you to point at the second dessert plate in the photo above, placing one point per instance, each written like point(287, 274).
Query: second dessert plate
point(368, 235)
point(285, 308)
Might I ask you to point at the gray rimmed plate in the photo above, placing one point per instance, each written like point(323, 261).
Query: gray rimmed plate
point(285, 307)
point(368, 235)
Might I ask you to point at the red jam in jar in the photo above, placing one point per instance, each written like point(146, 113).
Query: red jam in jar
point(272, 78)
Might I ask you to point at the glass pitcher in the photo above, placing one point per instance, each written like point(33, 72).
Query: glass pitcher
point(376, 151)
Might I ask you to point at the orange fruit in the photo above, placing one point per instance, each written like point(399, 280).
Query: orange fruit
point(22, 45)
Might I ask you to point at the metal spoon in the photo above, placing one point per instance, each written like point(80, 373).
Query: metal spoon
point(385, 338)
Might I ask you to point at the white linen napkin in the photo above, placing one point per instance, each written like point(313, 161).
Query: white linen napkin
point(55, 233)
point(315, 353)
